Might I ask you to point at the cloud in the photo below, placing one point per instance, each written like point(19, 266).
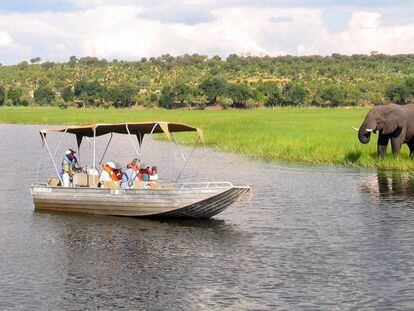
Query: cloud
point(184, 14)
point(144, 29)
point(281, 19)
point(5, 39)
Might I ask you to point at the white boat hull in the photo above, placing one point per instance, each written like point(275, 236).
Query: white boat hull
point(178, 202)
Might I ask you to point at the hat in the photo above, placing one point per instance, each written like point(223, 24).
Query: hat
point(70, 151)
point(111, 164)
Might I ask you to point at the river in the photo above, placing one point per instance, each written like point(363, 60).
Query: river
point(311, 237)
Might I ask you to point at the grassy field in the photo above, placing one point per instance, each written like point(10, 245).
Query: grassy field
point(313, 135)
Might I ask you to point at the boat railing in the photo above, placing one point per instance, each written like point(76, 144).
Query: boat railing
point(200, 185)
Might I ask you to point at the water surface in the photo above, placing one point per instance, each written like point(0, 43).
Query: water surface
point(312, 237)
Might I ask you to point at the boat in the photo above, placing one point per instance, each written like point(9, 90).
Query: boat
point(200, 200)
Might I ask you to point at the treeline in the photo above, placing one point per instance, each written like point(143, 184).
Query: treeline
point(197, 81)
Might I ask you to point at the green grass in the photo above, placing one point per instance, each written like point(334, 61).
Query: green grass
point(313, 135)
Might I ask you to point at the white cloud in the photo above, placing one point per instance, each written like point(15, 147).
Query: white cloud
point(5, 39)
point(121, 32)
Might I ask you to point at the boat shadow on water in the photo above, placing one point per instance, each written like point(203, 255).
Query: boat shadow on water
point(395, 186)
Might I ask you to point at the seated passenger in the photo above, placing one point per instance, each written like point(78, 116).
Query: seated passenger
point(145, 173)
point(131, 174)
point(70, 166)
point(110, 172)
point(154, 173)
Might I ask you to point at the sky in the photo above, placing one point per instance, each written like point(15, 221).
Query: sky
point(131, 29)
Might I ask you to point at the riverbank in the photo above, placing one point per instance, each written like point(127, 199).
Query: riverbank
point(313, 135)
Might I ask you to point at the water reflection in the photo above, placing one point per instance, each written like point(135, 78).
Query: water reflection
point(389, 185)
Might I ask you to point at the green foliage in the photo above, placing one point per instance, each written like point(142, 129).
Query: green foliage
point(68, 94)
point(167, 98)
point(44, 95)
point(14, 95)
point(398, 93)
point(294, 94)
point(213, 87)
point(2, 95)
point(239, 93)
point(120, 96)
point(272, 93)
point(307, 80)
point(91, 93)
point(334, 94)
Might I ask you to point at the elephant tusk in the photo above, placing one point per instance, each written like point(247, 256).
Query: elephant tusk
point(355, 128)
point(369, 130)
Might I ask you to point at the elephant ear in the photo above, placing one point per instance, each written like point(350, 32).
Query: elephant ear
point(393, 121)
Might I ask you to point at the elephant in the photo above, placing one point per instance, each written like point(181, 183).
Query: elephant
point(392, 122)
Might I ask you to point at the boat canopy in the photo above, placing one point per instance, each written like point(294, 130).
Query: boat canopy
point(132, 128)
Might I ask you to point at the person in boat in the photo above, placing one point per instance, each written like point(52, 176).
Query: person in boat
point(148, 173)
point(110, 172)
point(70, 166)
point(131, 174)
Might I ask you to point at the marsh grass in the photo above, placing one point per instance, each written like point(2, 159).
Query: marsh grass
point(313, 135)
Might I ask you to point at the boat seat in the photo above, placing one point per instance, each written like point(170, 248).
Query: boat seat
point(138, 185)
point(93, 180)
point(53, 182)
point(110, 184)
point(80, 180)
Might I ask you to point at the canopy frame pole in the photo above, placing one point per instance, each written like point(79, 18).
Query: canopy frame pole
point(148, 139)
point(94, 148)
point(106, 149)
point(89, 142)
point(39, 163)
point(188, 160)
point(53, 160)
point(179, 148)
point(60, 142)
point(132, 141)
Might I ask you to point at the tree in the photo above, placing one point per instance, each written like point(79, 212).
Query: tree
point(14, 94)
point(239, 93)
point(213, 87)
point(72, 60)
point(294, 94)
point(120, 96)
point(44, 95)
point(48, 65)
point(398, 93)
point(68, 94)
point(2, 95)
point(272, 92)
point(334, 94)
point(23, 65)
point(167, 97)
point(90, 92)
point(35, 60)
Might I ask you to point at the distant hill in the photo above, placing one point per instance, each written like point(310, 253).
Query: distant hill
point(197, 81)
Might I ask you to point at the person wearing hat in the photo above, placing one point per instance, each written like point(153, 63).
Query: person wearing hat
point(110, 172)
point(70, 166)
point(131, 174)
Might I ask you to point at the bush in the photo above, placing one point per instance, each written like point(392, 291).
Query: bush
point(44, 95)
point(334, 94)
point(2, 95)
point(295, 94)
point(398, 92)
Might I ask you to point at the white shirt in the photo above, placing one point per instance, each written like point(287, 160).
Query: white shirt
point(105, 176)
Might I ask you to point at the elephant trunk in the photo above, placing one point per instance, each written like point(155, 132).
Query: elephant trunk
point(364, 133)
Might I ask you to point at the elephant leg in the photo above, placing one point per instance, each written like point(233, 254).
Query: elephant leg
point(382, 145)
point(396, 144)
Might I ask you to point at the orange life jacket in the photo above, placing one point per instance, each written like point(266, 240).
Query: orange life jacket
point(136, 169)
point(112, 173)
